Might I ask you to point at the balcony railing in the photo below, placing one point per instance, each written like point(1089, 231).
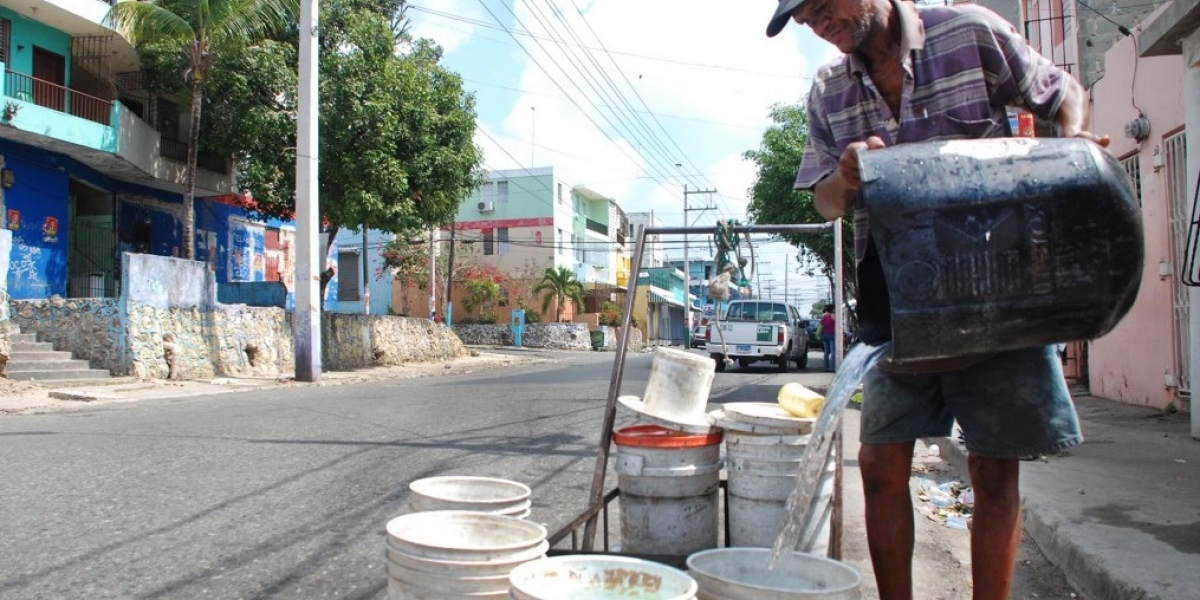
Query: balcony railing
point(56, 97)
point(597, 226)
point(178, 151)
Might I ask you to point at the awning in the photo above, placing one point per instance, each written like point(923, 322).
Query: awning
point(661, 296)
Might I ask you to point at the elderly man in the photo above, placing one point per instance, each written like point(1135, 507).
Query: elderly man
point(910, 75)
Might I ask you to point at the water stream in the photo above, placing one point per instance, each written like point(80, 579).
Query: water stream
point(800, 506)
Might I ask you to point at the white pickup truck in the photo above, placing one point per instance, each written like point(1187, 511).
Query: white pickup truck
point(758, 330)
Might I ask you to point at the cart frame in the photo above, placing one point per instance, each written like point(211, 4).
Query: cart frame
point(598, 499)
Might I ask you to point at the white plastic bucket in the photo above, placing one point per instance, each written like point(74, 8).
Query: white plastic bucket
point(483, 494)
point(742, 574)
point(669, 484)
point(679, 384)
point(598, 577)
point(761, 474)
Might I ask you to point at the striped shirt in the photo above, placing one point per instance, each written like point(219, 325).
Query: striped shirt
point(963, 66)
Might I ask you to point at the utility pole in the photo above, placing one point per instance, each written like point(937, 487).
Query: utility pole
point(687, 267)
point(307, 313)
point(432, 274)
point(446, 318)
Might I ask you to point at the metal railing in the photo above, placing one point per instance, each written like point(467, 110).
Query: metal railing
point(596, 226)
point(56, 97)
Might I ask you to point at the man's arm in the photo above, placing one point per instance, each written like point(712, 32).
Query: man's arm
point(1073, 113)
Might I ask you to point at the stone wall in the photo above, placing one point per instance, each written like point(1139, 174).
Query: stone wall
point(356, 341)
point(556, 336)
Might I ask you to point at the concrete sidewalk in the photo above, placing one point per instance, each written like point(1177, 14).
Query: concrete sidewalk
point(1119, 514)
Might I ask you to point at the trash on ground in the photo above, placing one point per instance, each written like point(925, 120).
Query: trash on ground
point(950, 503)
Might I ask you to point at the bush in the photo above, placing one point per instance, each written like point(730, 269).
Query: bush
point(611, 314)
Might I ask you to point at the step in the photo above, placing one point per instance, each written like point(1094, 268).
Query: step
point(25, 356)
point(63, 364)
point(15, 337)
point(31, 346)
point(80, 375)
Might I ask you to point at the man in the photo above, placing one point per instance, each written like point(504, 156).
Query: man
point(909, 76)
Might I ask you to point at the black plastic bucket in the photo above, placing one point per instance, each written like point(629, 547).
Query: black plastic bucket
point(1000, 244)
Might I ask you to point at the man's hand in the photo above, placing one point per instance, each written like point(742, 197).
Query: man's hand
point(848, 163)
point(834, 195)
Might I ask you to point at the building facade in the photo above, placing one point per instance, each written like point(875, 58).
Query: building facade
point(92, 162)
point(521, 222)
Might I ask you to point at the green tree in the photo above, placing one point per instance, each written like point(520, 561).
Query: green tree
point(773, 201)
point(396, 131)
point(559, 285)
point(198, 31)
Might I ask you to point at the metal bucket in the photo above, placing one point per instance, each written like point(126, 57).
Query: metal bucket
point(761, 474)
point(669, 484)
point(598, 577)
point(483, 494)
point(742, 574)
point(457, 554)
point(1000, 244)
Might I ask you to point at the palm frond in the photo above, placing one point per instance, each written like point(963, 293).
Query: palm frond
point(239, 20)
point(148, 22)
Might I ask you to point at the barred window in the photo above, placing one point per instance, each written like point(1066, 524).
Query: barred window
point(1133, 168)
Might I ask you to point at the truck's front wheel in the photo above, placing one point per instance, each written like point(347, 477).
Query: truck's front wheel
point(782, 363)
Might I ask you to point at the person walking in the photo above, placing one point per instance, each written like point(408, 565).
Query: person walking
point(909, 75)
point(828, 325)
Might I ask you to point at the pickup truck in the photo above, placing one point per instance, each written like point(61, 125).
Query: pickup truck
point(758, 330)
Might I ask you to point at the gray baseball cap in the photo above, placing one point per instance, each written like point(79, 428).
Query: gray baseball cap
point(783, 14)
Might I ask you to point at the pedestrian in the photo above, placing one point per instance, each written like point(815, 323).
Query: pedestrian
point(827, 336)
point(910, 75)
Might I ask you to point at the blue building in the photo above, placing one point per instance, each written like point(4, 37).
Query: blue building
point(92, 163)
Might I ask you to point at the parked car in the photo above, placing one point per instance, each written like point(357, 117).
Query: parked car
point(699, 332)
point(759, 331)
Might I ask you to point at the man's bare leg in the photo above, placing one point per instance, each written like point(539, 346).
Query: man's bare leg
point(995, 525)
point(885, 471)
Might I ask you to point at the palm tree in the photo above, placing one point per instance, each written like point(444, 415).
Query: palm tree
point(562, 285)
point(199, 30)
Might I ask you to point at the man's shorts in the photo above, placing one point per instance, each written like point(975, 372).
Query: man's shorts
point(1011, 405)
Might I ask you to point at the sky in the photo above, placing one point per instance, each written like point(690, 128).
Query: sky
point(634, 99)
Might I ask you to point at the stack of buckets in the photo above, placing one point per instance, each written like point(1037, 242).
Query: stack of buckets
point(669, 471)
point(465, 536)
point(761, 466)
point(458, 555)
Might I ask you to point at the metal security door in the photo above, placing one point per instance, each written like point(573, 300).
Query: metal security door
point(1175, 155)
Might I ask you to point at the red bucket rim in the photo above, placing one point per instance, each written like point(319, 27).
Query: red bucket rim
point(657, 436)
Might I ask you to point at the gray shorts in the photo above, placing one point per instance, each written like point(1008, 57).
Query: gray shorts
point(1011, 405)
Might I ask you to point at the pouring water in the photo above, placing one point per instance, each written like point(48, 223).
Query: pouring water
point(800, 506)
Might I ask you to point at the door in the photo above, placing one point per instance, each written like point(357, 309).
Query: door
point(49, 79)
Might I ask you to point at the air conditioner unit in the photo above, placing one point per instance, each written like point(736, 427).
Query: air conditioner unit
point(486, 206)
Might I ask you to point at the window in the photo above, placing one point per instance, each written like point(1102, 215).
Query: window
point(560, 195)
point(502, 192)
point(559, 241)
point(1133, 168)
point(488, 245)
point(486, 192)
point(579, 257)
point(349, 277)
point(502, 240)
point(5, 37)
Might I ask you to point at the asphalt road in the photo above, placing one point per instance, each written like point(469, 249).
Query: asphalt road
point(284, 492)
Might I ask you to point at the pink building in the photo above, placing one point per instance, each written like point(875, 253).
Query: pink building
point(1139, 103)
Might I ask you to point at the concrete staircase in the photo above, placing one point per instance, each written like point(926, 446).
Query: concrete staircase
point(31, 360)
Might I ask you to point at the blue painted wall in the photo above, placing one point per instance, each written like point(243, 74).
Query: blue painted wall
point(37, 218)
